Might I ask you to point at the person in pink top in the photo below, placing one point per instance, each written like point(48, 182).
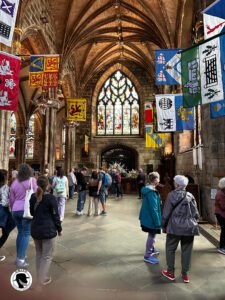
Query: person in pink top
point(17, 198)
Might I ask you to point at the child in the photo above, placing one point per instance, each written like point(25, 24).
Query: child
point(150, 216)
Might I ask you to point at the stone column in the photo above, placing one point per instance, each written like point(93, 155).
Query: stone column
point(20, 145)
point(73, 146)
point(4, 138)
point(51, 128)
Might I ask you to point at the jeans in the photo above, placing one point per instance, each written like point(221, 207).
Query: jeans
point(81, 200)
point(119, 189)
point(150, 244)
point(221, 221)
point(172, 242)
point(44, 254)
point(4, 237)
point(23, 236)
point(71, 191)
point(61, 202)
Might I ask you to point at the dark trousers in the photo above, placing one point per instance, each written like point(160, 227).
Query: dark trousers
point(172, 242)
point(221, 221)
point(119, 189)
point(4, 237)
point(140, 186)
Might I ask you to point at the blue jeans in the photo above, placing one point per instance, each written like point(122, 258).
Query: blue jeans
point(23, 236)
point(71, 191)
point(81, 200)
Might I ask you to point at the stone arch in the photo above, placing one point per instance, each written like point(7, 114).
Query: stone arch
point(101, 81)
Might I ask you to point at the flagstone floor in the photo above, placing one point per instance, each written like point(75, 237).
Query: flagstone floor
point(102, 258)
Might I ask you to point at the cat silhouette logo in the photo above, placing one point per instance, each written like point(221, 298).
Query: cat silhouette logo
point(21, 280)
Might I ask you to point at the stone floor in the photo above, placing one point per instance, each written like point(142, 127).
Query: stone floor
point(102, 258)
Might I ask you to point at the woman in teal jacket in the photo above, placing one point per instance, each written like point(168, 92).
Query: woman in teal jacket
point(150, 216)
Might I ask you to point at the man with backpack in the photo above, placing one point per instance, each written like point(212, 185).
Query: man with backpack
point(101, 192)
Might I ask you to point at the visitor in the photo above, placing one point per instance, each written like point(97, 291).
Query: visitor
point(93, 197)
point(113, 187)
point(44, 228)
point(140, 181)
point(7, 223)
point(101, 190)
point(61, 191)
point(72, 182)
point(179, 221)
point(82, 187)
point(14, 173)
point(118, 180)
point(220, 213)
point(18, 191)
point(150, 216)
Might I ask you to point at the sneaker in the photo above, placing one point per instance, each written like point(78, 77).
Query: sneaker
point(155, 251)
point(221, 250)
point(47, 281)
point(2, 257)
point(103, 213)
point(152, 260)
point(79, 213)
point(168, 275)
point(185, 278)
point(21, 263)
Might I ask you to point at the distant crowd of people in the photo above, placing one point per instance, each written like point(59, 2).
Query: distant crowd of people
point(36, 207)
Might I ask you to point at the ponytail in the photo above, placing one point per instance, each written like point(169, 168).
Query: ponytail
point(39, 194)
point(42, 183)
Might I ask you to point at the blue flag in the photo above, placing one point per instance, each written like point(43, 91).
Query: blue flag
point(168, 67)
point(184, 116)
point(217, 109)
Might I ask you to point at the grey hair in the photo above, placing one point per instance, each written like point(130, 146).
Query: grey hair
point(221, 184)
point(153, 175)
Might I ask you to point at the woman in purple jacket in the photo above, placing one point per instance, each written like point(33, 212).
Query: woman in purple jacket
point(17, 198)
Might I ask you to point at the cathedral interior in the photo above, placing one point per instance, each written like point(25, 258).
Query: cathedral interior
point(105, 47)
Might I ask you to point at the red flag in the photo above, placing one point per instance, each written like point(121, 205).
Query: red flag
point(9, 81)
point(148, 113)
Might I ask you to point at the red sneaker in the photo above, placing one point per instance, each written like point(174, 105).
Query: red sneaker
point(185, 278)
point(168, 275)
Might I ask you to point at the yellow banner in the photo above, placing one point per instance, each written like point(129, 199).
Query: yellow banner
point(154, 139)
point(76, 110)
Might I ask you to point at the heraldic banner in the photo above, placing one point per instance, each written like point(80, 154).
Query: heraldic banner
point(148, 113)
point(76, 110)
point(171, 115)
point(208, 60)
point(168, 67)
point(8, 12)
point(153, 139)
point(44, 71)
point(9, 81)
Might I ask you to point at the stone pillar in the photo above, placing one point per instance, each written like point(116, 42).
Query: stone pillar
point(46, 141)
point(73, 146)
point(4, 138)
point(51, 142)
point(20, 145)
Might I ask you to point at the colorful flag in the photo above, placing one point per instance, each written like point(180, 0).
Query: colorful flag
point(44, 71)
point(9, 81)
point(217, 109)
point(168, 67)
point(214, 19)
point(76, 109)
point(8, 12)
point(148, 113)
point(171, 114)
point(154, 139)
point(207, 59)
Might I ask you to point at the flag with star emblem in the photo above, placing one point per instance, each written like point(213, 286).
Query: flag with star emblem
point(9, 81)
point(8, 12)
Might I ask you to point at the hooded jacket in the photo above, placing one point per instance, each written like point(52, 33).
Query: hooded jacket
point(180, 219)
point(150, 213)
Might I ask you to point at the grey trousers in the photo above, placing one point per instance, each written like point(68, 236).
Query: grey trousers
point(44, 254)
point(172, 242)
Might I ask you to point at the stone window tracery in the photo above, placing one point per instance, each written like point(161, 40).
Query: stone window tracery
point(118, 107)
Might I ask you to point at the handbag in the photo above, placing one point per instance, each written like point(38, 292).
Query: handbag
point(29, 192)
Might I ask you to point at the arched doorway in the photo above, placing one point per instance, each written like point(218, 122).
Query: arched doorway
point(120, 154)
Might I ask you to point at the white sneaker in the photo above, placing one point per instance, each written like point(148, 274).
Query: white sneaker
point(79, 213)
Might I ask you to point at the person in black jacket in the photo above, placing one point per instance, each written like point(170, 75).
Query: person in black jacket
point(44, 228)
point(140, 182)
point(82, 187)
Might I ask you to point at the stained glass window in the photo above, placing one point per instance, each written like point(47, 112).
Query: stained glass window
point(12, 136)
point(118, 107)
point(29, 153)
